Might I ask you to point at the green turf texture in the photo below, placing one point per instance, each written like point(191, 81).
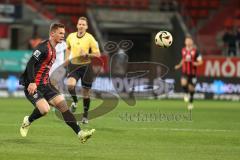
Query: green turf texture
point(212, 134)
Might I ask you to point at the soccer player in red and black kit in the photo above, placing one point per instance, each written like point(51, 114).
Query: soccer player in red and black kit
point(39, 91)
point(191, 59)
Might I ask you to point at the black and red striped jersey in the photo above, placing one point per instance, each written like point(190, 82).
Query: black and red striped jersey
point(44, 56)
point(189, 57)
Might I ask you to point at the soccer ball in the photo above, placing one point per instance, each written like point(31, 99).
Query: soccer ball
point(163, 39)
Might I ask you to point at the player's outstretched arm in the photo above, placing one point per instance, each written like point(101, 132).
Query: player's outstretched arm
point(178, 65)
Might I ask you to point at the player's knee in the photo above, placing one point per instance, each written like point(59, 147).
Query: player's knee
point(191, 88)
point(71, 87)
point(71, 81)
point(45, 110)
point(86, 96)
point(86, 93)
point(184, 84)
point(43, 106)
point(62, 106)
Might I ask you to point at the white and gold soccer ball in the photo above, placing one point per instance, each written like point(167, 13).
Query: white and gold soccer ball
point(163, 39)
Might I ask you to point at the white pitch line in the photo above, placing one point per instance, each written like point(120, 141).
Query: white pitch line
point(186, 129)
point(162, 129)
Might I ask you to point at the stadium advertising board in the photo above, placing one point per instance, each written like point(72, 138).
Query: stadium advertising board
point(212, 88)
point(220, 67)
point(14, 61)
point(218, 77)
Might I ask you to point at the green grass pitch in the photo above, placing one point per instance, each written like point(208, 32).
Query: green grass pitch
point(212, 134)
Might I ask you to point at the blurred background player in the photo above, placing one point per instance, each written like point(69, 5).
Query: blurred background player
point(81, 47)
point(230, 39)
point(37, 89)
point(57, 71)
point(191, 59)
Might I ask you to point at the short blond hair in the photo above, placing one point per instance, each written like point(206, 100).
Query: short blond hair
point(83, 18)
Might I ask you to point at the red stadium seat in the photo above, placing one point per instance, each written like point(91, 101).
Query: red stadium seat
point(141, 4)
point(237, 14)
point(90, 2)
point(204, 4)
point(237, 22)
point(195, 4)
point(64, 2)
point(101, 2)
point(203, 13)
point(70, 10)
point(214, 4)
point(228, 23)
point(193, 13)
point(185, 3)
point(115, 3)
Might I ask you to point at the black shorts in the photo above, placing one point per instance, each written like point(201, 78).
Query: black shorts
point(191, 79)
point(84, 72)
point(47, 92)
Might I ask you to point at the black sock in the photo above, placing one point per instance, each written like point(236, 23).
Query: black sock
point(185, 89)
point(35, 115)
point(86, 105)
point(191, 97)
point(73, 94)
point(71, 121)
